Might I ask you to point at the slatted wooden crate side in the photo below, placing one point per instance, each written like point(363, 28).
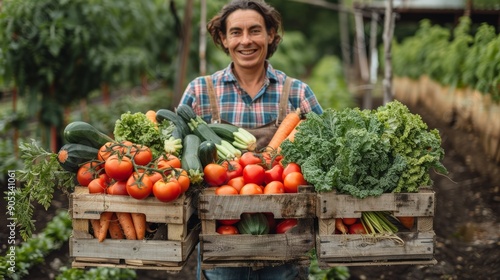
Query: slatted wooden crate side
point(181, 229)
point(175, 214)
point(139, 252)
point(212, 207)
point(295, 244)
point(256, 250)
point(354, 248)
point(364, 249)
point(420, 205)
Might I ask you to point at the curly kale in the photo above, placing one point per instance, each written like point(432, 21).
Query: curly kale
point(364, 152)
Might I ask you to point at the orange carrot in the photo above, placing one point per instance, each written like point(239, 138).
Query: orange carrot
point(339, 225)
point(127, 224)
point(407, 222)
point(115, 230)
point(291, 136)
point(104, 222)
point(151, 116)
point(286, 127)
point(96, 226)
point(139, 225)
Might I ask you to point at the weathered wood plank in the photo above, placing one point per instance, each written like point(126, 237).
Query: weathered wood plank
point(290, 205)
point(333, 205)
point(360, 247)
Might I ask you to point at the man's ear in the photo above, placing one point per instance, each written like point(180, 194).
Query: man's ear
point(223, 39)
point(270, 35)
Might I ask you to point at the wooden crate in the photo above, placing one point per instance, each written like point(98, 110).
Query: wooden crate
point(256, 250)
point(363, 249)
point(169, 248)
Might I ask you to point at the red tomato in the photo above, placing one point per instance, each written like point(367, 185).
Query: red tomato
point(118, 167)
point(249, 158)
point(349, 221)
point(225, 190)
point(227, 229)
point(274, 187)
point(273, 174)
point(228, 222)
point(254, 173)
point(251, 188)
point(86, 173)
point(139, 186)
point(98, 185)
point(181, 176)
point(293, 181)
point(118, 188)
point(357, 228)
point(168, 161)
point(286, 225)
point(291, 167)
point(233, 169)
point(237, 183)
point(142, 155)
point(106, 150)
point(167, 191)
point(214, 174)
point(154, 177)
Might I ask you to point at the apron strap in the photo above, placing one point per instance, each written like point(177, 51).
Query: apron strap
point(284, 100)
point(212, 97)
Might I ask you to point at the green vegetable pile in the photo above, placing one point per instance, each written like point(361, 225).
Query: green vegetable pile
point(366, 152)
point(137, 128)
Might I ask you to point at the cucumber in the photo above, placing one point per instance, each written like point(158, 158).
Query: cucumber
point(72, 155)
point(79, 132)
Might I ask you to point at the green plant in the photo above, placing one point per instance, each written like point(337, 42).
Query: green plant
point(34, 250)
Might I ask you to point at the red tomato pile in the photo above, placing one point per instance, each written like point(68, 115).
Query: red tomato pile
point(126, 168)
point(349, 226)
point(254, 174)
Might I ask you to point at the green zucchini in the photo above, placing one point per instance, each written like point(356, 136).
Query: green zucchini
point(237, 136)
point(200, 128)
point(182, 129)
point(79, 132)
point(72, 155)
point(207, 152)
point(190, 160)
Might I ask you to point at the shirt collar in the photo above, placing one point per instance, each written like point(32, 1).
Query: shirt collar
point(228, 75)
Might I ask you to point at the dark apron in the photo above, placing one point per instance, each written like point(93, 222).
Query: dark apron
point(263, 133)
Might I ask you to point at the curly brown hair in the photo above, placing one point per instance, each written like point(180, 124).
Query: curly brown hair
point(272, 19)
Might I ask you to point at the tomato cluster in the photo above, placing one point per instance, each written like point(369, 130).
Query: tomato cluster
point(126, 168)
point(254, 173)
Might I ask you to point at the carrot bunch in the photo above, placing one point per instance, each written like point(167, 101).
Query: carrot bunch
point(119, 225)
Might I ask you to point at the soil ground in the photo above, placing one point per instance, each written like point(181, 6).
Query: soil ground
point(466, 220)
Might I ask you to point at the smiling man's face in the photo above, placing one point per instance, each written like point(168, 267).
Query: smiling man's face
point(247, 39)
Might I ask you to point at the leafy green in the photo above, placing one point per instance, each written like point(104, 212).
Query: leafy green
point(97, 273)
point(333, 273)
point(41, 175)
point(137, 128)
point(365, 152)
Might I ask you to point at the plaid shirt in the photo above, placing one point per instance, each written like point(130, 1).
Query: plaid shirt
point(238, 108)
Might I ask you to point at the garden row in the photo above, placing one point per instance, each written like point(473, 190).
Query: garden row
point(455, 74)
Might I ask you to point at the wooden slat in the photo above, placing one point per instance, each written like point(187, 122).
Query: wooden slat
point(359, 247)
point(145, 250)
point(290, 205)
point(89, 206)
point(333, 205)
